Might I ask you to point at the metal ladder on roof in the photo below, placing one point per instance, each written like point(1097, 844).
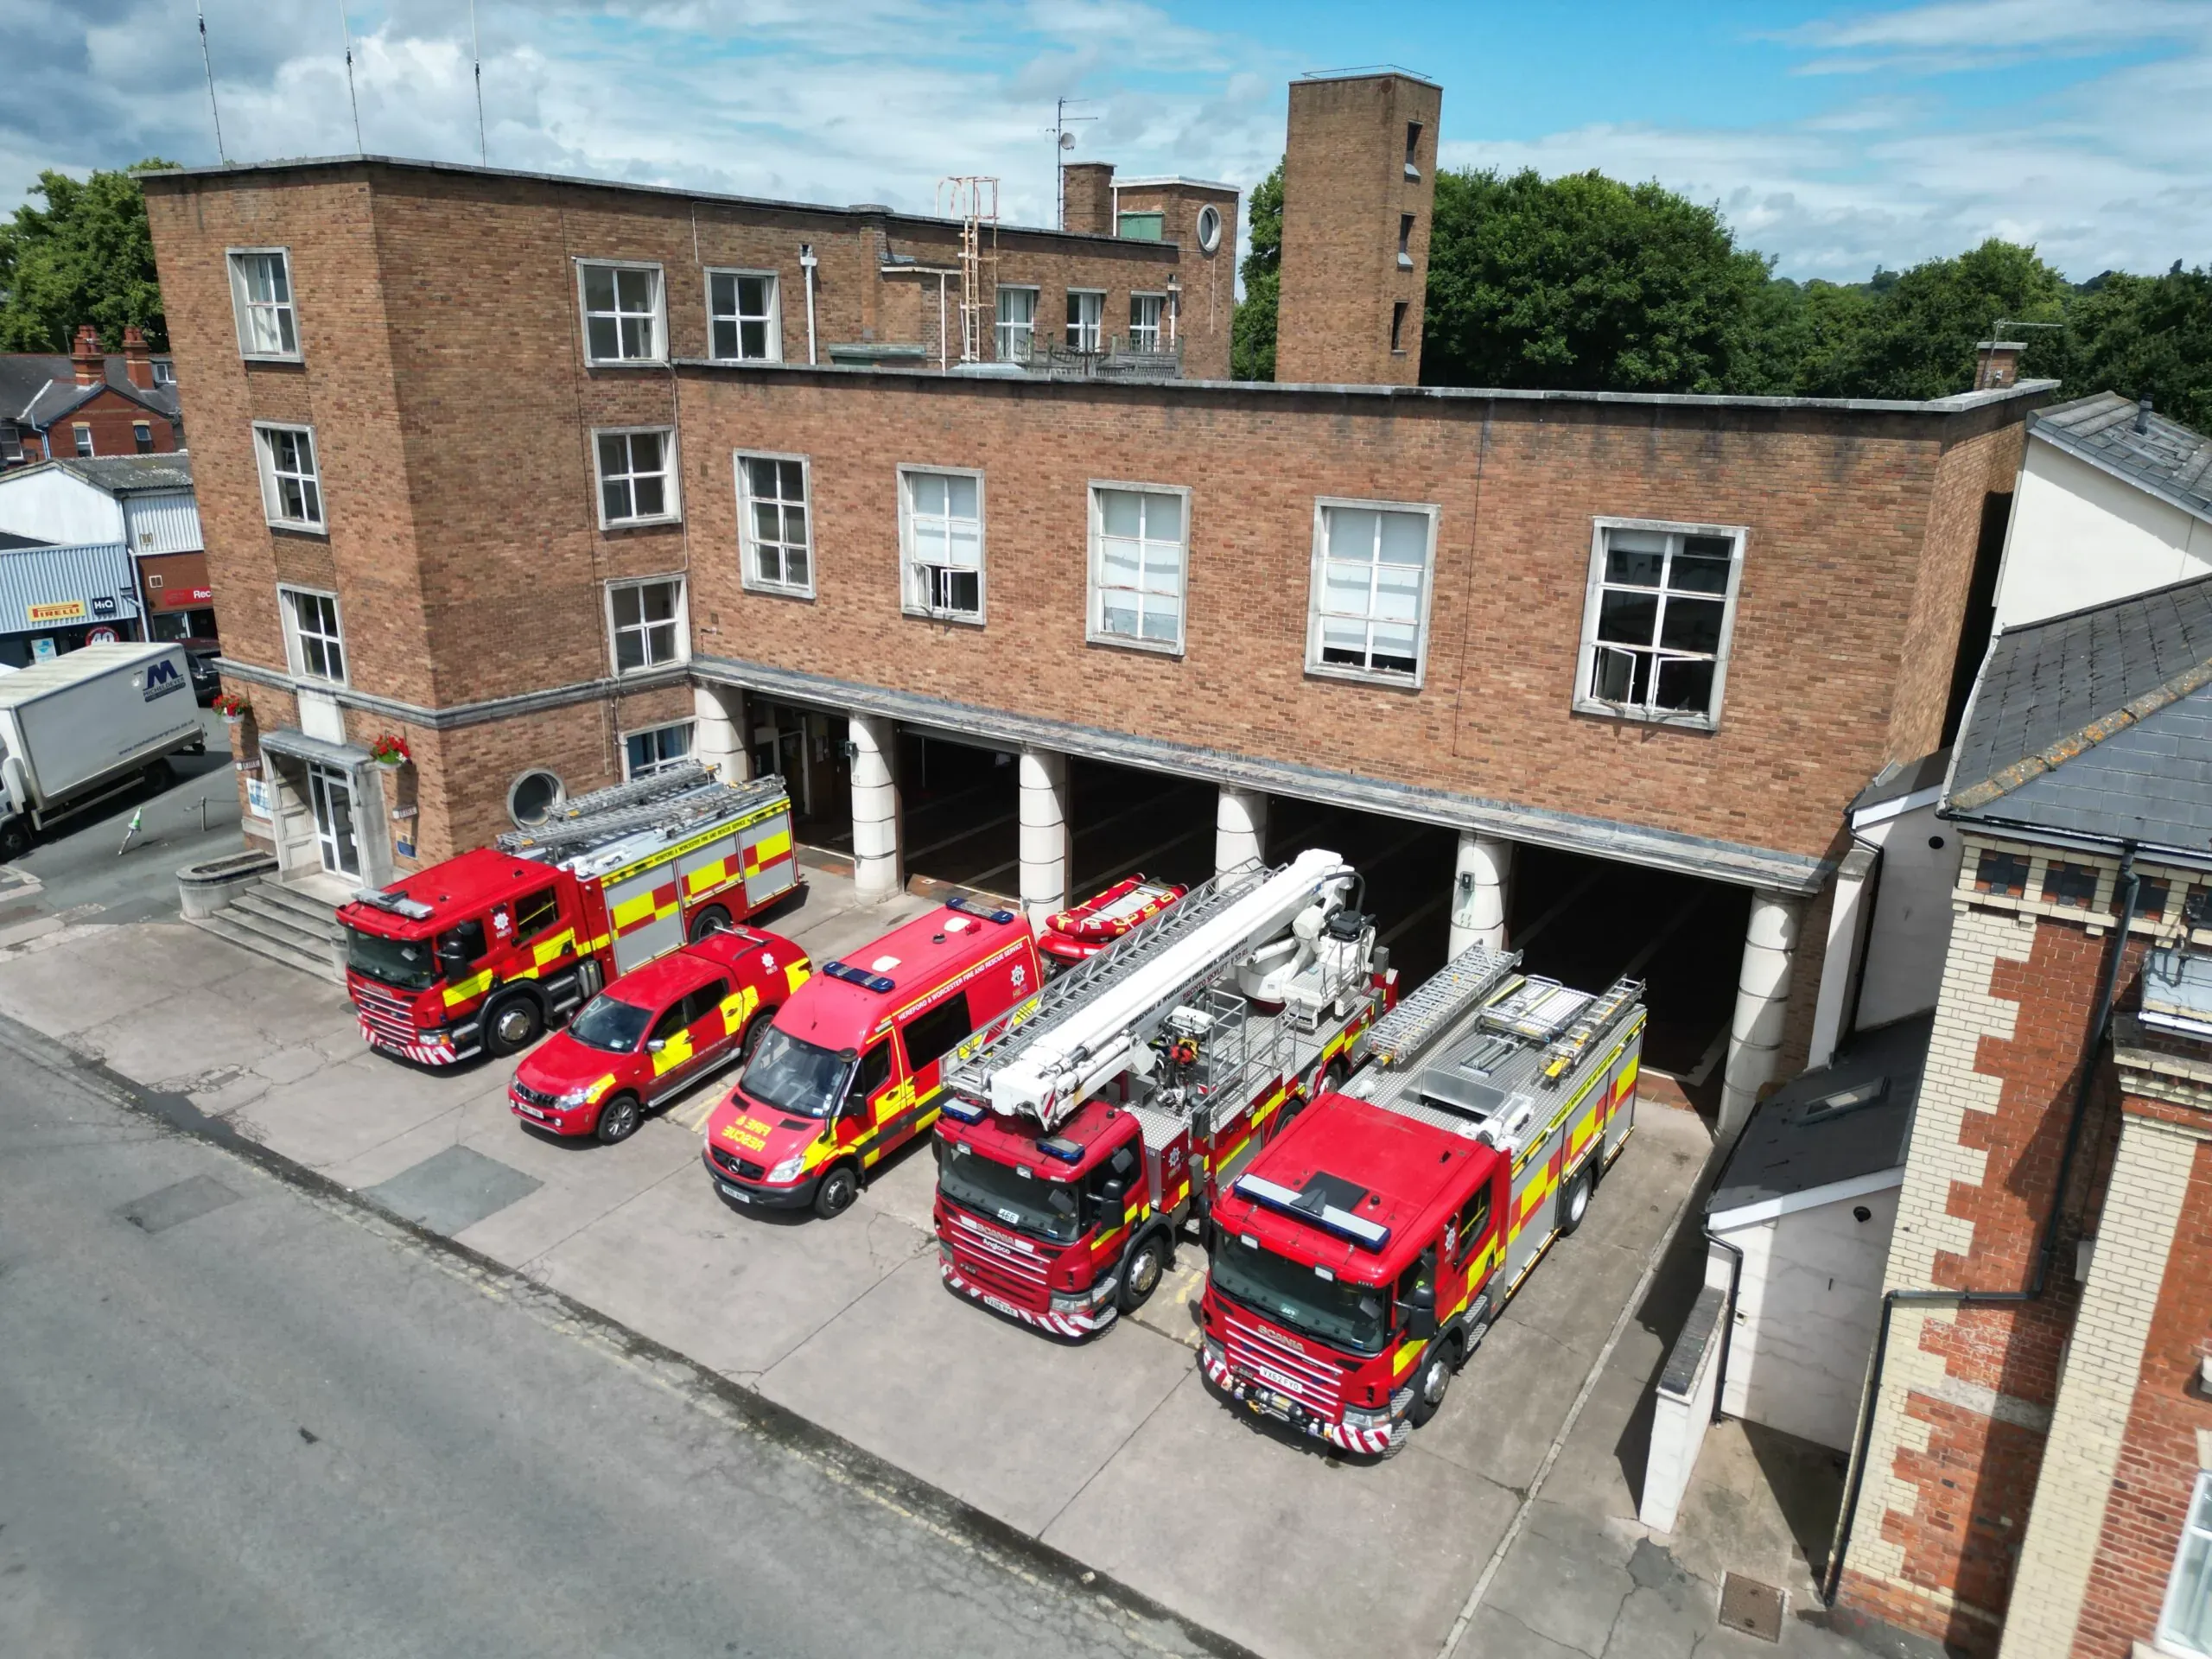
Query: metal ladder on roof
point(686, 796)
point(1590, 1024)
point(1127, 956)
point(1407, 1030)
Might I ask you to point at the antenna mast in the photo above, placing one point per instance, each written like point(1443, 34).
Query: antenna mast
point(476, 49)
point(1062, 140)
point(208, 64)
point(347, 30)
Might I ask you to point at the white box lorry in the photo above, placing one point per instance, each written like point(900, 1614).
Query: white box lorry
point(87, 724)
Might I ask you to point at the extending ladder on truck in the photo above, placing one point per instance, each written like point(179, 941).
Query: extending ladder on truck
point(682, 798)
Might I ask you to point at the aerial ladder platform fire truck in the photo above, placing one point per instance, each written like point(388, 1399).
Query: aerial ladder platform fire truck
point(1359, 1260)
point(1077, 1143)
point(482, 951)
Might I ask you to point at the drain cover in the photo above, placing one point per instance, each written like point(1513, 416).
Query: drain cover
point(1751, 1607)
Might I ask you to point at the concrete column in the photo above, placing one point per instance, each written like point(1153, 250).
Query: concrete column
point(879, 871)
point(718, 734)
point(1761, 999)
point(1479, 875)
point(1043, 833)
point(1240, 827)
point(1839, 962)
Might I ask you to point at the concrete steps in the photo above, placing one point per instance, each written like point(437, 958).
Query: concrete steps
point(282, 925)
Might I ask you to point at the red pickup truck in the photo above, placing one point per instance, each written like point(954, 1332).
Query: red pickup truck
point(655, 1031)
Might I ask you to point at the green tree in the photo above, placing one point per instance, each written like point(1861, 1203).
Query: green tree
point(2145, 337)
point(1252, 330)
point(1915, 335)
point(85, 256)
point(1582, 283)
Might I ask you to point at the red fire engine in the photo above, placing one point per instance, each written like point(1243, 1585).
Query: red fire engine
point(1075, 1146)
point(1361, 1258)
point(480, 953)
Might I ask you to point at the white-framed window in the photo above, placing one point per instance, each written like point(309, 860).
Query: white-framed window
point(261, 296)
point(1139, 557)
point(142, 436)
point(164, 372)
point(1145, 312)
point(775, 530)
point(1656, 627)
point(315, 643)
point(1368, 612)
point(623, 320)
point(1086, 318)
point(941, 533)
point(2185, 1623)
point(1017, 324)
point(655, 749)
point(648, 622)
point(1209, 228)
point(744, 316)
point(291, 488)
point(637, 476)
point(81, 434)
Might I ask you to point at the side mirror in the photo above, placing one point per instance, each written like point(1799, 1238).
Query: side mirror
point(1421, 1312)
point(654, 1044)
point(1113, 1190)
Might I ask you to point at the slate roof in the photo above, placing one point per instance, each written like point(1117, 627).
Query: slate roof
point(2097, 723)
point(2166, 459)
point(38, 388)
point(1792, 1146)
point(124, 474)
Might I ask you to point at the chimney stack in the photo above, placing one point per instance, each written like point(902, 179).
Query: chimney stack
point(138, 358)
point(1997, 364)
point(2142, 415)
point(1087, 198)
point(86, 357)
point(1358, 192)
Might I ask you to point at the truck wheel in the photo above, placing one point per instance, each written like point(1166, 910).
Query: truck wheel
point(618, 1120)
point(1147, 1260)
point(1574, 1204)
point(511, 1025)
point(14, 838)
point(838, 1189)
point(1434, 1381)
point(755, 1029)
point(713, 919)
point(159, 774)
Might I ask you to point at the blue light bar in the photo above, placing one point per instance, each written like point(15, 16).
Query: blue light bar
point(966, 1110)
point(860, 976)
point(1371, 1235)
point(1001, 917)
point(1055, 1147)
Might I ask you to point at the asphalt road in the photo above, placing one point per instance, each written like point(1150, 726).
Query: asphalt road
point(86, 868)
point(240, 1416)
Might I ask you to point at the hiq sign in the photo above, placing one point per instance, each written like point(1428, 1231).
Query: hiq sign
point(161, 678)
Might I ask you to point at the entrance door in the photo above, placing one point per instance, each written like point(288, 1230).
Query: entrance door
point(333, 799)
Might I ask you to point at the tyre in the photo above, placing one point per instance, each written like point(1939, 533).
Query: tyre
point(840, 1186)
point(756, 1028)
point(1574, 1204)
point(1434, 1381)
point(14, 838)
point(512, 1025)
point(159, 774)
point(1141, 1269)
point(618, 1120)
point(1327, 1079)
point(713, 919)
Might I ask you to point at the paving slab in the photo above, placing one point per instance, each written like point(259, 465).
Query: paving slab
point(995, 1413)
point(581, 1180)
point(451, 1190)
point(1290, 1551)
point(1506, 1407)
point(349, 1107)
point(84, 978)
point(1568, 1580)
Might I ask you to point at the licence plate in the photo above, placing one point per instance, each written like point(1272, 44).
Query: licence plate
point(1286, 1383)
point(737, 1193)
point(531, 1112)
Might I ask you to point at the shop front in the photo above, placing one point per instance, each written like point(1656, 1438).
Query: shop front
point(180, 602)
point(54, 599)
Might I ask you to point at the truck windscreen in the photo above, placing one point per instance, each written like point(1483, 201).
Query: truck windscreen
point(795, 1075)
point(1352, 1317)
point(406, 965)
point(1028, 1202)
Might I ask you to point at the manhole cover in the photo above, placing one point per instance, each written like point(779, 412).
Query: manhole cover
point(1751, 1607)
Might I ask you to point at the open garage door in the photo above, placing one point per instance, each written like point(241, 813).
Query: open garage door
point(1588, 921)
point(1130, 822)
point(1409, 871)
point(959, 807)
point(807, 747)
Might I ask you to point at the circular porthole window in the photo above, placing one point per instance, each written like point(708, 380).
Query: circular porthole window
point(533, 797)
point(1209, 228)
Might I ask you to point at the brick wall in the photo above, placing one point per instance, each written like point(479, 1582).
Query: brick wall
point(1345, 190)
point(114, 420)
point(1087, 198)
point(1207, 280)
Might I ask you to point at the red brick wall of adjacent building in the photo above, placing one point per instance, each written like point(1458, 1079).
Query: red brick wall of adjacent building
point(113, 419)
point(2159, 1456)
point(1825, 605)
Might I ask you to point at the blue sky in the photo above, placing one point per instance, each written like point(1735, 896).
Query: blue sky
point(1833, 137)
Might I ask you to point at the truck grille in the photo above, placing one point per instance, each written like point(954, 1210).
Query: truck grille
point(1269, 1360)
point(392, 1014)
point(528, 1095)
point(743, 1169)
point(995, 1261)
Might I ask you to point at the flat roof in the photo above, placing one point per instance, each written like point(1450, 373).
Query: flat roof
point(168, 175)
point(1176, 178)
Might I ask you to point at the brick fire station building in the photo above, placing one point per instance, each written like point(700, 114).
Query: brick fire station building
point(558, 479)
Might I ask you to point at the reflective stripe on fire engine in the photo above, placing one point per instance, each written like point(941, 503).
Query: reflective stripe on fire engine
point(463, 990)
point(721, 832)
point(1539, 1144)
point(1408, 1352)
point(1532, 1197)
point(737, 1007)
point(767, 850)
point(549, 951)
point(674, 1052)
point(644, 909)
point(706, 878)
point(796, 975)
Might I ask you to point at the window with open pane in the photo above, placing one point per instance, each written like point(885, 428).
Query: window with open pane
point(1658, 627)
point(945, 543)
